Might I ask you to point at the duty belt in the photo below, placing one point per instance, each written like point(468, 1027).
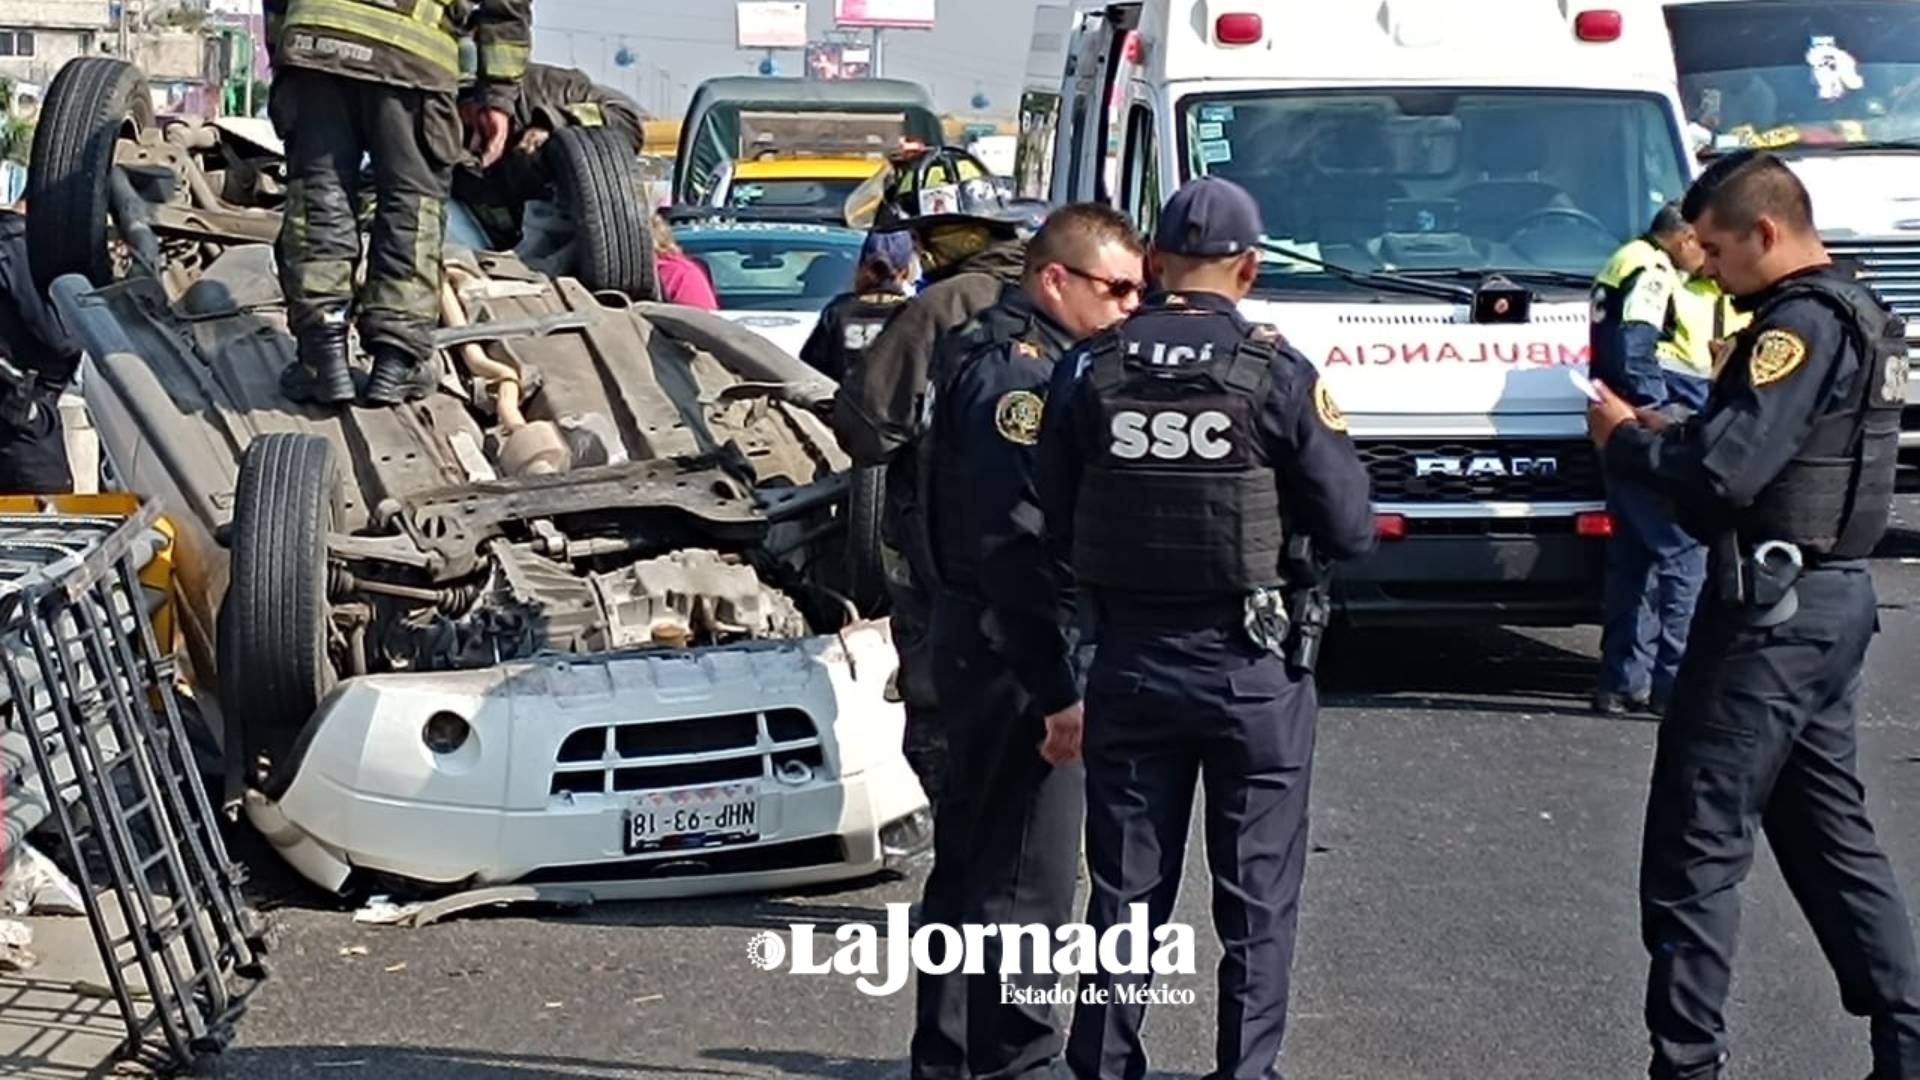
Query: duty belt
point(1134, 610)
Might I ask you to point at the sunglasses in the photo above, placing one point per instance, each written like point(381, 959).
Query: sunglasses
point(1117, 288)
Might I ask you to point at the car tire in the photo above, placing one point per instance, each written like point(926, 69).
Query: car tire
point(86, 111)
point(274, 662)
point(598, 182)
point(866, 566)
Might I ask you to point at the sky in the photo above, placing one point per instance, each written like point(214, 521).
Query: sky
point(979, 46)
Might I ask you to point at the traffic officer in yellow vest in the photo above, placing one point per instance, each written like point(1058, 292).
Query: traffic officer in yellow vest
point(376, 80)
point(1655, 321)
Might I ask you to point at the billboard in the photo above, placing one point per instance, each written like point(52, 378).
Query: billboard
point(900, 14)
point(779, 24)
point(835, 60)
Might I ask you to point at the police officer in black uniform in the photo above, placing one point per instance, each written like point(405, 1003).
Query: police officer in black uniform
point(851, 321)
point(1787, 475)
point(1008, 821)
point(38, 358)
point(1202, 478)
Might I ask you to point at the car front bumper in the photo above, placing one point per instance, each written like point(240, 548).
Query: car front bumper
point(559, 749)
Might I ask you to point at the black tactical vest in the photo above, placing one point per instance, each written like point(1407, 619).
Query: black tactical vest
point(1178, 495)
point(953, 542)
point(1835, 497)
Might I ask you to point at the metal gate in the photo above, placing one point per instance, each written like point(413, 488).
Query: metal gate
point(94, 695)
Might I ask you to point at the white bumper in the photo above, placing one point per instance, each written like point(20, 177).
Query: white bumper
point(560, 749)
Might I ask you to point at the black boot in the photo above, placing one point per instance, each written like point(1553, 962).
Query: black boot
point(397, 379)
point(322, 375)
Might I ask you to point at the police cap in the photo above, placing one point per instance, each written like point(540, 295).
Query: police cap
point(1209, 218)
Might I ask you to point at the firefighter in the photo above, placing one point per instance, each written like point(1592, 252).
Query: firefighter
point(972, 242)
point(551, 98)
point(358, 79)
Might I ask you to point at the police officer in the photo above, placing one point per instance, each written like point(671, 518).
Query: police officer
point(550, 99)
point(972, 241)
point(1007, 825)
point(372, 79)
point(851, 321)
point(38, 358)
point(1655, 319)
point(1787, 474)
point(1188, 461)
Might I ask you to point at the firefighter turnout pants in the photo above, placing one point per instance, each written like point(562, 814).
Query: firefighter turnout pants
point(412, 139)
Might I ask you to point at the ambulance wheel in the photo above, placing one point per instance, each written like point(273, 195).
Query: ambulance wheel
point(598, 181)
point(94, 102)
point(275, 666)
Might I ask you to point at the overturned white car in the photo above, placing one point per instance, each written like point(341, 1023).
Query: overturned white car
point(580, 617)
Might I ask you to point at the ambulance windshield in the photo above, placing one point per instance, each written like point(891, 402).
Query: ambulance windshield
point(1439, 180)
point(1806, 77)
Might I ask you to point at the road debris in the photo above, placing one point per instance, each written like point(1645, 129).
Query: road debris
point(382, 911)
point(14, 939)
point(35, 886)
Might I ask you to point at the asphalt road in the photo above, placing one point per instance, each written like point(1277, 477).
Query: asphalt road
point(1469, 913)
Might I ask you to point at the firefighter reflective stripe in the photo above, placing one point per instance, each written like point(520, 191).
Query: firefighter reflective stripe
point(503, 60)
point(422, 34)
point(587, 114)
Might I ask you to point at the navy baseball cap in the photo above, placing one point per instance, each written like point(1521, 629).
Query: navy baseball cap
point(1208, 218)
point(895, 248)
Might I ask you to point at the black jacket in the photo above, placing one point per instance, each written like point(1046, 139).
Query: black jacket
point(877, 410)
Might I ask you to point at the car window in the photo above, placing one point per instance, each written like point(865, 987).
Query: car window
point(774, 274)
point(1441, 179)
point(790, 194)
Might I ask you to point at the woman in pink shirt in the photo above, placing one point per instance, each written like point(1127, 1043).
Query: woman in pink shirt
point(682, 279)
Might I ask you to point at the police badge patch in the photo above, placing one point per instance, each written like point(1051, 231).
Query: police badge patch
point(1323, 404)
point(1017, 417)
point(1776, 355)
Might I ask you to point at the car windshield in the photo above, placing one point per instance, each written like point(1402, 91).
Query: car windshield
point(787, 270)
point(826, 195)
point(1809, 77)
point(1439, 181)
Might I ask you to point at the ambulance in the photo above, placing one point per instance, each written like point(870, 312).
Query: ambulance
point(1833, 88)
point(1440, 181)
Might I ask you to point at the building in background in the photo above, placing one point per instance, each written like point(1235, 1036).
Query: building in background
point(38, 36)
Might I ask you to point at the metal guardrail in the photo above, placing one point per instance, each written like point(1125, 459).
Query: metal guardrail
point(91, 695)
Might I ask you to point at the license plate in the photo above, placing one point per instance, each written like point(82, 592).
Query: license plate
point(693, 818)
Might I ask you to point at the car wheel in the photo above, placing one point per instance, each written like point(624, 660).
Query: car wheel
point(598, 182)
point(866, 567)
point(274, 661)
point(92, 103)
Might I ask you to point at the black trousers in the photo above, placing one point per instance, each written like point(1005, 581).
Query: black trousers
point(1167, 710)
point(33, 455)
point(1006, 839)
point(412, 137)
point(1760, 738)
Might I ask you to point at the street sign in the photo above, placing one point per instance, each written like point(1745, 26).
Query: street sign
point(885, 14)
